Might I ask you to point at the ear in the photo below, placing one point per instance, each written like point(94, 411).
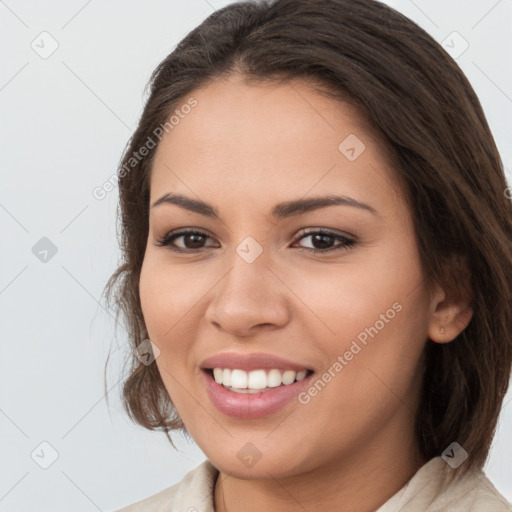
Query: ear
point(450, 306)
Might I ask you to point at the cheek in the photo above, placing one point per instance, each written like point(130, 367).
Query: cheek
point(167, 295)
point(373, 314)
point(165, 301)
point(385, 355)
point(171, 301)
point(345, 299)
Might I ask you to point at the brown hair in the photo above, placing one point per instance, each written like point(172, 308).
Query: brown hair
point(414, 95)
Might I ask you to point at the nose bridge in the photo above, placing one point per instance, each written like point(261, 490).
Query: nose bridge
point(249, 263)
point(249, 294)
point(247, 282)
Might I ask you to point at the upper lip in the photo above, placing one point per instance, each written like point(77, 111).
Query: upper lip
point(249, 362)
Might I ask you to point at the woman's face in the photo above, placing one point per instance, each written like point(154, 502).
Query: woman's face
point(354, 314)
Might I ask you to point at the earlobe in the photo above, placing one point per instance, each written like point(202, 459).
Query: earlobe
point(448, 322)
point(450, 316)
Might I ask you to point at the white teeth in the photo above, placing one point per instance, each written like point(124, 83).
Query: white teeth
point(273, 378)
point(217, 375)
point(301, 375)
point(241, 381)
point(244, 390)
point(257, 379)
point(288, 377)
point(238, 379)
point(226, 377)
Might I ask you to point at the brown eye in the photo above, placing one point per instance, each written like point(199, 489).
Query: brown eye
point(194, 241)
point(191, 241)
point(322, 241)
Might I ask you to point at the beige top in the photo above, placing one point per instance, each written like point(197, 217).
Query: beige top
point(431, 489)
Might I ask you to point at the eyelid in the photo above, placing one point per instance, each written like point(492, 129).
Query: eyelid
point(172, 235)
point(347, 240)
point(329, 231)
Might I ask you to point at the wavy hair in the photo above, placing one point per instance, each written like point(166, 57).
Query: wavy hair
point(424, 110)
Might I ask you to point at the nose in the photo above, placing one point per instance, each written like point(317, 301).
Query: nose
point(250, 298)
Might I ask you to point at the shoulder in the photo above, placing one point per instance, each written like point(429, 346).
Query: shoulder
point(436, 487)
point(478, 494)
point(193, 493)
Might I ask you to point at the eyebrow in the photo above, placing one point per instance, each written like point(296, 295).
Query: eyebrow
point(280, 211)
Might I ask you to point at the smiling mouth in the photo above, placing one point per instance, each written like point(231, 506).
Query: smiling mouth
point(255, 381)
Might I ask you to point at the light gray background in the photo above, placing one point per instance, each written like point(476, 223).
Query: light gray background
point(65, 121)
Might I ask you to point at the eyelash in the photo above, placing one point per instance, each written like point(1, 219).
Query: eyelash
point(346, 245)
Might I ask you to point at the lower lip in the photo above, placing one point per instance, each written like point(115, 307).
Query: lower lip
point(252, 405)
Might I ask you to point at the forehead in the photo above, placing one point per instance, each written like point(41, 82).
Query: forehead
point(270, 137)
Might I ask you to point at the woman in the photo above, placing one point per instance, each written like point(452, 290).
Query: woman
point(317, 266)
